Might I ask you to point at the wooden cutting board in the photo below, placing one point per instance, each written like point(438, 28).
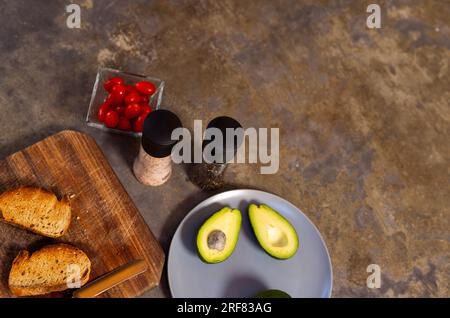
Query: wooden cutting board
point(105, 222)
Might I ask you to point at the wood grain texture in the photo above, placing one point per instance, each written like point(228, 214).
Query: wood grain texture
point(105, 222)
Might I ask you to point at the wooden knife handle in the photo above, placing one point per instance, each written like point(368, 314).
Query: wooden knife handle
point(111, 279)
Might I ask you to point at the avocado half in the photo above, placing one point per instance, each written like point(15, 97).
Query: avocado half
point(274, 233)
point(218, 236)
point(272, 293)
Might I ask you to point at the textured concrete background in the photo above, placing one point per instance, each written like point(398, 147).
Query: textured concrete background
point(364, 114)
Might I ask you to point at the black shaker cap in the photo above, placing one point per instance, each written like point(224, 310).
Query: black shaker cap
point(222, 123)
point(157, 132)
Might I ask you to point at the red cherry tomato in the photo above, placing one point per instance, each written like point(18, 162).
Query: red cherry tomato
point(145, 99)
point(124, 123)
point(109, 100)
point(145, 109)
point(139, 123)
point(111, 119)
point(118, 93)
point(104, 108)
point(133, 98)
point(132, 110)
point(120, 109)
point(108, 85)
point(130, 89)
point(145, 88)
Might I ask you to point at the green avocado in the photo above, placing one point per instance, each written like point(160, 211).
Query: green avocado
point(218, 236)
point(274, 233)
point(272, 293)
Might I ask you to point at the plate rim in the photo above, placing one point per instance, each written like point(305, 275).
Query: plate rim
point(253, 190)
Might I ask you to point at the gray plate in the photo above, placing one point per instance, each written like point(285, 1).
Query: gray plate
point(249, 269)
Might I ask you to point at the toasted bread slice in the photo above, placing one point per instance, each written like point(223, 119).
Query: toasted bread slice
point(53, 268)
point(37, 210)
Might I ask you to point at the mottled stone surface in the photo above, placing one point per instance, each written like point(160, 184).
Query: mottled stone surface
point(364, 114)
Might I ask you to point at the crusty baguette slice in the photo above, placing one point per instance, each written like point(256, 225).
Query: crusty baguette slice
point(52, 268)
point(37, 210)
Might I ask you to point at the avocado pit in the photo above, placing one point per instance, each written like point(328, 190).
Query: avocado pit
point(217, 240)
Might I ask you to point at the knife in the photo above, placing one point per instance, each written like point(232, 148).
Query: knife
point(111, 279)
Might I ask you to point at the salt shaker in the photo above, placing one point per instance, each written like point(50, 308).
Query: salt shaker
point(153, 165)
point(209, 175)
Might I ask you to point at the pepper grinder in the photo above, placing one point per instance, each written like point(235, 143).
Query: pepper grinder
point(209, 175)
point(153, 165)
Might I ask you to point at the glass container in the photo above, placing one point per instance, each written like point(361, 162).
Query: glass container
point(99, 94)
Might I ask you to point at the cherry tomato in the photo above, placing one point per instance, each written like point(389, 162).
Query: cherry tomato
point(130, 89)
point(145, 88)
point(104, 108)
point(145, 99)
point(133, 98)
point(139, 123)
point(118, 93)
point(109, 100)
point(120, 109)
point(108, 85)
point(145, 109)
point(124, 123)
point(132, 110)
point(111, 119)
